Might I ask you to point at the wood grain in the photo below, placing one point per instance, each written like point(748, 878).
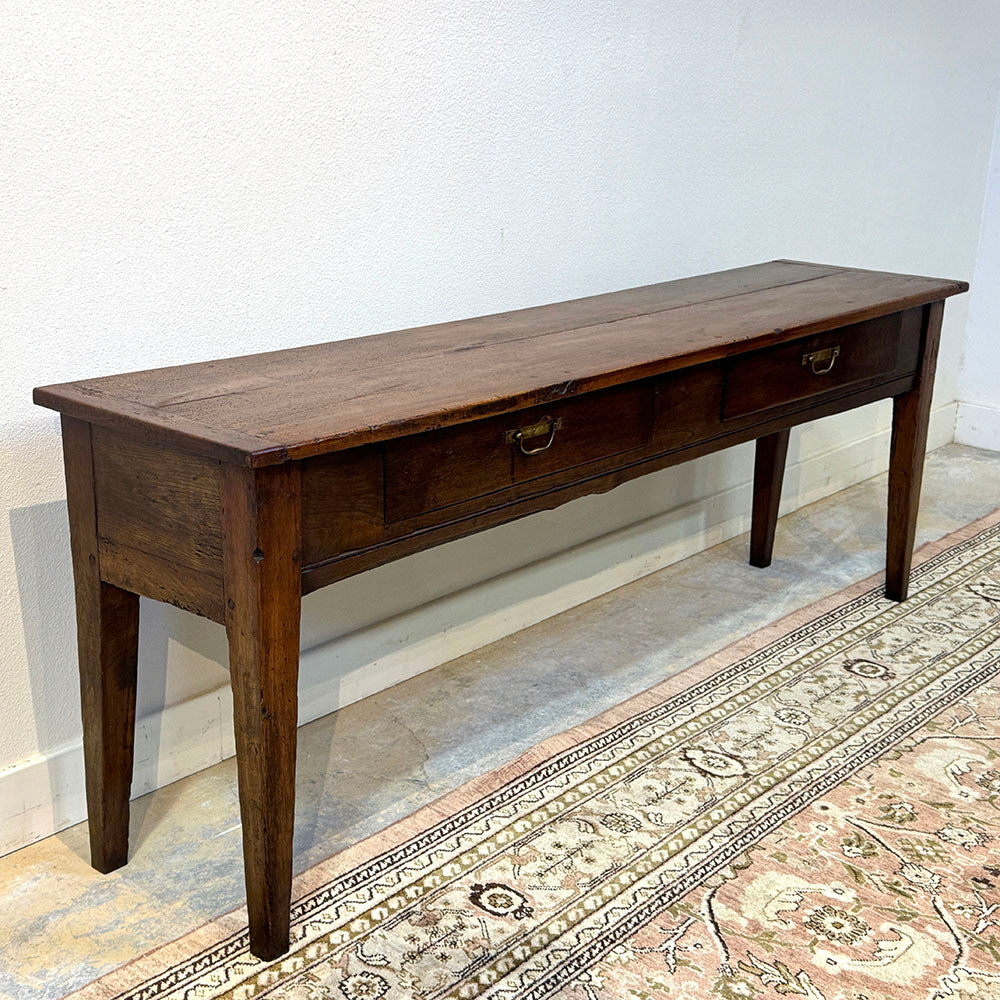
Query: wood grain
point(164, 580)
point(343, 502)
point(158, 500)
point(428, 472)
point(107, 627)
point(265, 409)
point(873, 351)
point(457, 522)
point(160, 521)
point(262, 586)
point(230, 488)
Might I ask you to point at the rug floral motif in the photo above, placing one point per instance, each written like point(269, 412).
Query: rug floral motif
point(814, 814)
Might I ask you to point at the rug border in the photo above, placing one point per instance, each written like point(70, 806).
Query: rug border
point(161, 958)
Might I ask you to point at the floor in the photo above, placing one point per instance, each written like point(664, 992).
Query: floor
point(62, 924)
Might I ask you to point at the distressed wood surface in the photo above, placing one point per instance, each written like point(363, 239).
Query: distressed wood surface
point(266, 408)
point(416, 534)
point(107, 628)
point(443, 467)
point(868, 352)
point(262, 580)
point(230, 488)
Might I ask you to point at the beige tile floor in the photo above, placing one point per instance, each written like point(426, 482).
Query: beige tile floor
point(62, 924)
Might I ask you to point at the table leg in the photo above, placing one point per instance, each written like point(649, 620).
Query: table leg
point(910, 416)
point(263, 589)
point(107, 630)
point(768, 473)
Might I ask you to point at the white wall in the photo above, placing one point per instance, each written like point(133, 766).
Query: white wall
point(978, 421)
point(185, 180)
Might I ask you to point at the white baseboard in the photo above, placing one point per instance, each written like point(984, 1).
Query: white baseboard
point(978, 426)
point(45, 793)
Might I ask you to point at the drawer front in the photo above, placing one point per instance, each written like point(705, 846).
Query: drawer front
point(431, 471)
point(838, 360)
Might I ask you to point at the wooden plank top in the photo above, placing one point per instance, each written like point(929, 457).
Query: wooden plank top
point(263, 409)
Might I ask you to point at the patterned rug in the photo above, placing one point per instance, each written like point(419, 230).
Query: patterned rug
point(814, 812)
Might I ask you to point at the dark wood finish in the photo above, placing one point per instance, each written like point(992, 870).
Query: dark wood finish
point(343, 520)
point(343, 502)
point(405, 539)
point(768, 473)
point(441, 468)
point(158, 501)
point(107, 628)
point(162, 579)
point(910, 415)
point(869, 352)
point(230, 488)
point(160, 521)
point(264, 409)
point(262, 583)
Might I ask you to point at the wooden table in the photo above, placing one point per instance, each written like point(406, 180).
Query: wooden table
point(230, 488)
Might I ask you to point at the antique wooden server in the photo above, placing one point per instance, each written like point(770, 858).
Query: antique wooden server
point(230, 488)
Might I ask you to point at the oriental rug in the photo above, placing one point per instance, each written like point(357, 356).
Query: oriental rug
point(813, 812)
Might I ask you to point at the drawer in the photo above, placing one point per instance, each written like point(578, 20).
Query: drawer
point(430, 471)
point(835, 361)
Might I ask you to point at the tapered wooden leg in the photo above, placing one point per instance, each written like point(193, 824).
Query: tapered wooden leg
point(910, 417)
point(261, 523)
point(107, 629)
point(768, 472)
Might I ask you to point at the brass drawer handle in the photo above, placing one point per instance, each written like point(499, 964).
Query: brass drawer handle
point(821, 361)
point(548, 427)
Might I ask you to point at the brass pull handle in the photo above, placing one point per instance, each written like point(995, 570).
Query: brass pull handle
point(547, 427)
point(821, 361)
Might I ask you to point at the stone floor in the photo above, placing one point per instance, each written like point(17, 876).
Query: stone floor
point(62, 924)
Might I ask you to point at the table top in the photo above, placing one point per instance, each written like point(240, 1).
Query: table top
point(262, 409)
